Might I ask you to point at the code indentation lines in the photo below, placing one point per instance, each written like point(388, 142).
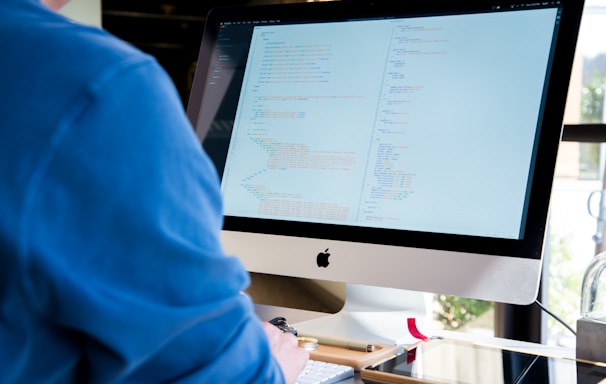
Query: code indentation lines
point(293, 205)
point(391, 181)
point(300, 156)
point(284, 63)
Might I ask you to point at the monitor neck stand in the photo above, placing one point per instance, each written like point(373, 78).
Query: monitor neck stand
point(374, 314)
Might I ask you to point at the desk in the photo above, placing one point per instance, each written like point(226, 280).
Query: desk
point(294, 316)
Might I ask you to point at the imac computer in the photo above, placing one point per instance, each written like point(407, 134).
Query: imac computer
point(405, 145)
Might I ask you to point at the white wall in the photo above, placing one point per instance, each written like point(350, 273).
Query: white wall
point(84, 11)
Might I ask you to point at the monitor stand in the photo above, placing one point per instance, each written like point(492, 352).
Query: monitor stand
point(374, 314)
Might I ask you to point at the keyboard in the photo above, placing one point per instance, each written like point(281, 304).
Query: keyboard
point(316, 372)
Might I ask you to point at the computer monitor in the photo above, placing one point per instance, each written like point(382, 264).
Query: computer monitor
point(408, 145)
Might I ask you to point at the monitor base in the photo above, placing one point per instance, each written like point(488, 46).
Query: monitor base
point(374, 314)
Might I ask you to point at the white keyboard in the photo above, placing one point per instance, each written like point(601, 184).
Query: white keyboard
point(316, 372)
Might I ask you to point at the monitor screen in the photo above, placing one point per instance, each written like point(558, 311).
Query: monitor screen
point(409, 145)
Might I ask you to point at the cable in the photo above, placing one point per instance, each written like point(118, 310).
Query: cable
point(523, 374)
point(537, 302)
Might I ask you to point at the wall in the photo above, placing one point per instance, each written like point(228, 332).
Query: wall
point(84, 11)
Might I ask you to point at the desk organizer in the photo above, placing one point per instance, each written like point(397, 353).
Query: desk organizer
point(355, 359)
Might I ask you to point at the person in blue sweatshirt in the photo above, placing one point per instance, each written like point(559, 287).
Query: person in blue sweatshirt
point(111, 266)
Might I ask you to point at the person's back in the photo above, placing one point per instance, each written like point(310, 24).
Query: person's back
point(112, 268)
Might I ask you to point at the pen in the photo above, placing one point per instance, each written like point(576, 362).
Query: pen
point(343, 343)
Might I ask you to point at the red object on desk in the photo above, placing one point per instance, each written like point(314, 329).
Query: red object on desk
point(414, 331)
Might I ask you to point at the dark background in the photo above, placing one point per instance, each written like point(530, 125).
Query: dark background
point(170, 30)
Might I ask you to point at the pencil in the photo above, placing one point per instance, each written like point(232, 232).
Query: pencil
point(343, 343)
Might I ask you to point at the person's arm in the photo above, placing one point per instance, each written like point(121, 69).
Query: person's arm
point(123, 244)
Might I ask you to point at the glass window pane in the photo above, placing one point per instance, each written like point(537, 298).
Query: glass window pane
point(586, 95)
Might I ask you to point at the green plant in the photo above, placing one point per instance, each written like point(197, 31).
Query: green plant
point(592, 99)
point(455, 312)
point(565, 279)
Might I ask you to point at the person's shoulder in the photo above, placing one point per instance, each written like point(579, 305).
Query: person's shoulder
point(92, 47)
point(35, 28)
point(84, 51)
